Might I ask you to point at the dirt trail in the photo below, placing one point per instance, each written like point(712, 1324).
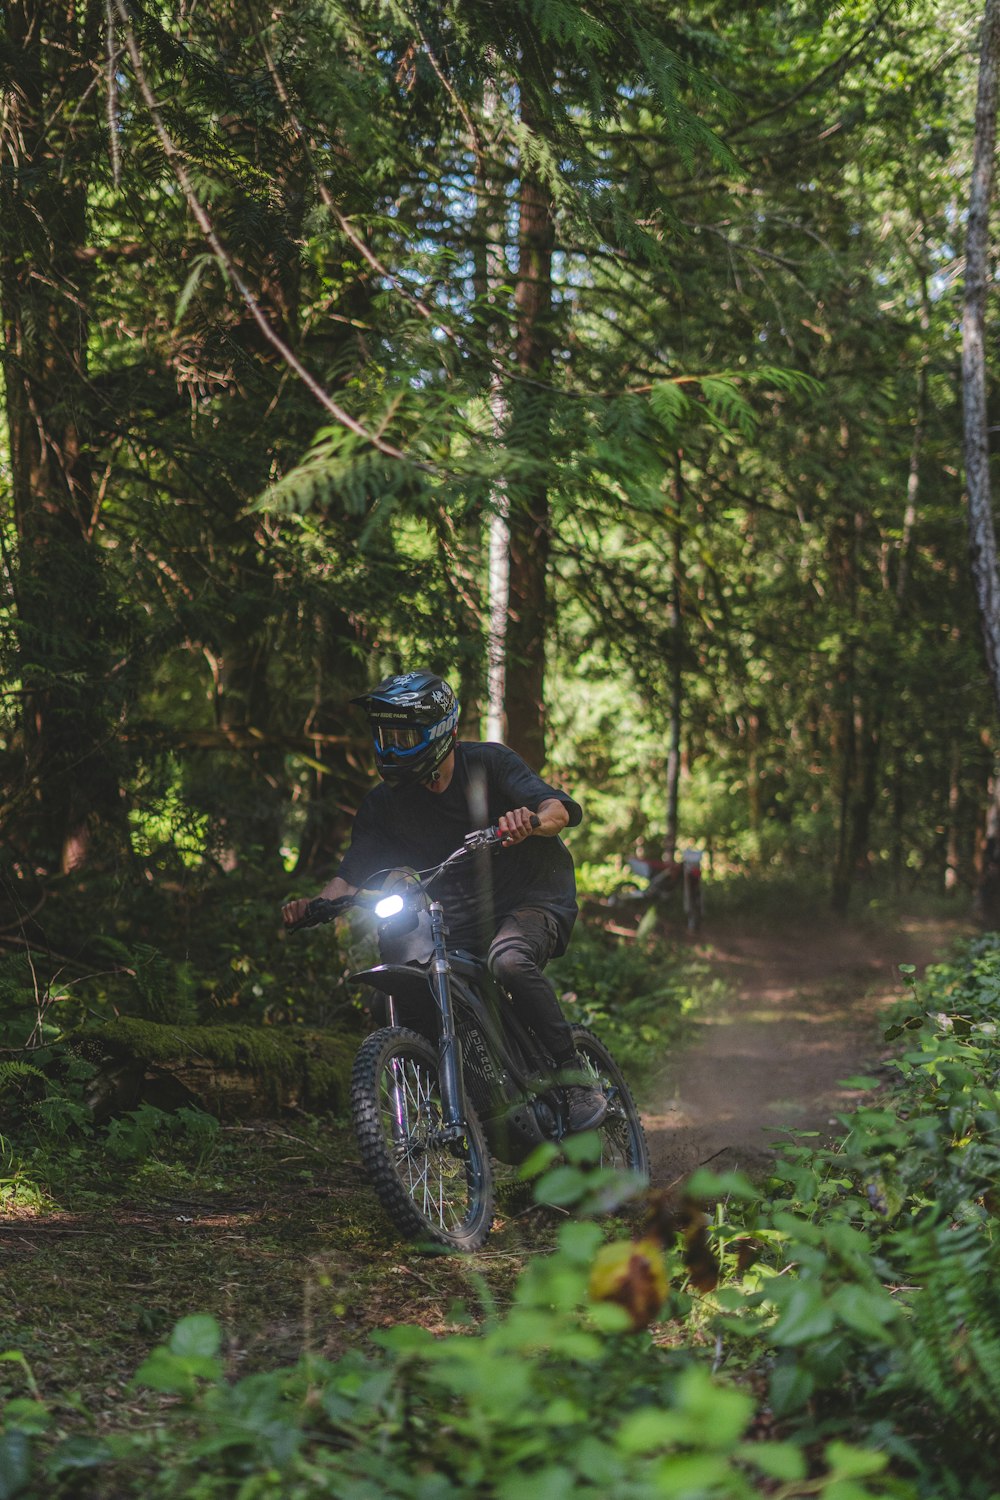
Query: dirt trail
point(803, 1015)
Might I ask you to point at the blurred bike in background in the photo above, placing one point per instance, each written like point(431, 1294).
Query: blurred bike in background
point(656, 882)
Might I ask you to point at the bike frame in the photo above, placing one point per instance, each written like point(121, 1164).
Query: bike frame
point(449, 1046)
point(451, 981)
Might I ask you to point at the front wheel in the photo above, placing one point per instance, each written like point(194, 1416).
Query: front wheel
point(431, 1185)
point(623, 1140)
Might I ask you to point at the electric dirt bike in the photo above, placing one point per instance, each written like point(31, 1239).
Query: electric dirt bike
point(454, 1079)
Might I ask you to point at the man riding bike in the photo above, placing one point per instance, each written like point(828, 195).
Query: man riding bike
point(519, 908)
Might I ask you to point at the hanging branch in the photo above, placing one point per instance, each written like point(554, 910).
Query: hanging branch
point(204, 222)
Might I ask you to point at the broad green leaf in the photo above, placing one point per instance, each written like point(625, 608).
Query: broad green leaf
point(805, 1315)
point(197, 1336)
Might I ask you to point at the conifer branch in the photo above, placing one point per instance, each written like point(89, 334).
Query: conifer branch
point(343, 223)
point(204, 222)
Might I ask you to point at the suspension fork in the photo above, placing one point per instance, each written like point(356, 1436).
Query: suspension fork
point(449, 1046)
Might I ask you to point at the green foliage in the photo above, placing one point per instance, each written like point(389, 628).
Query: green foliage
point(868, 1325)
point(21, 1079)
point(165, 991)
point(510, 1412)
point(136, 1134)
point(876, 1283)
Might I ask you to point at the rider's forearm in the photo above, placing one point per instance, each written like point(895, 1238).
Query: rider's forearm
point(336, 888)
point(552, 818)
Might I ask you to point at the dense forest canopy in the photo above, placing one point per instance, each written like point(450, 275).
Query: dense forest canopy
point(604, 357)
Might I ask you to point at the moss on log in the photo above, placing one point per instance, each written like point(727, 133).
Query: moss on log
point(234, 1070)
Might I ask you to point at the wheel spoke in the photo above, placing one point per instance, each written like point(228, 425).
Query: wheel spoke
point(436, 1180)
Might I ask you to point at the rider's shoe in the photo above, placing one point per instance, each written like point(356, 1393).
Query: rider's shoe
point(586, 1108)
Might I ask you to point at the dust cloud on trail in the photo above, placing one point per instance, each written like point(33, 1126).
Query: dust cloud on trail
point(802, 1014)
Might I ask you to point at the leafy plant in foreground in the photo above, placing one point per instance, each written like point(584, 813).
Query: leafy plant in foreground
point(556, 1398)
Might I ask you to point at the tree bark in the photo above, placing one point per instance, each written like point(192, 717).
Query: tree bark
point(916, 444)
point(498, 552)
point(529, 505)
point(982, 535)
point(676, 671)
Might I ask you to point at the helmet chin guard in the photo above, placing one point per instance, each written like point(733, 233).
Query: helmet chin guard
point(414, 720)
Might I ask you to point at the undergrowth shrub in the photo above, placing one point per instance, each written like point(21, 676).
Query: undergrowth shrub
point(876, 1290)
point(555, 1398)
point(846, 1343)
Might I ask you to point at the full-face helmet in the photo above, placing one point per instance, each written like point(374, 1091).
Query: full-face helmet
point(414, 718)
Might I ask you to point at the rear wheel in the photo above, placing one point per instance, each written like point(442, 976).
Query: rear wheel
point(431, 1185)
point(623, 1140)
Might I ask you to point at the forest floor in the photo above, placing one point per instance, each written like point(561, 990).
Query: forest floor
point(277, 1234)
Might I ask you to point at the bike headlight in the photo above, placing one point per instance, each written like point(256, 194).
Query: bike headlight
point(389, 906)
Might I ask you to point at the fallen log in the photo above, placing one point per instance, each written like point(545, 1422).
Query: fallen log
point(232, 1071)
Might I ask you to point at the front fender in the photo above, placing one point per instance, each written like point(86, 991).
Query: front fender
point(398, 980)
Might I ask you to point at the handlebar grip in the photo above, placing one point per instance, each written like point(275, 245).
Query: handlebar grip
point(319, 911)
point(535, 821)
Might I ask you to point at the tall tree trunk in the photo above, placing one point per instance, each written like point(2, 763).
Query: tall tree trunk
point(491, 277)
point(847, 739)
point(982, 536)
point(953, 855)
point(676, 668)
point(530, 429)
point(916, 442)
point(66, 618)
point(499, 597)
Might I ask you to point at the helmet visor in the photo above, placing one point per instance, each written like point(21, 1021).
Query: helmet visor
point(399, 737)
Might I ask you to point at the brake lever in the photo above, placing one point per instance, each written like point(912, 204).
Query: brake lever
point(485, 838)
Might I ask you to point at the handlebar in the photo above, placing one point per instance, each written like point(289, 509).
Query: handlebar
point(320, 910)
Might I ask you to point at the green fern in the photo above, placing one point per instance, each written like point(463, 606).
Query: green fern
point(165, 990)
point(953, 1352)
point(18, 1078)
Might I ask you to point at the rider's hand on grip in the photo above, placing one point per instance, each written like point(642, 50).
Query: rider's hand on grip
point(516, 826)
point(318, 911)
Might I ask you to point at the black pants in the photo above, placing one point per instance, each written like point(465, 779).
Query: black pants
point(524, 943)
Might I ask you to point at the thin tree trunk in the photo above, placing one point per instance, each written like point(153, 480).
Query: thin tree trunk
point(982, 536)
point(952, 870)
point(676, 671)
point(916, 445)
point(530, 429)
point(494, 277)
point(496, 647)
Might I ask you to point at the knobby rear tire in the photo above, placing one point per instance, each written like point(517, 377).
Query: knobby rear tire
point(623, 1140)
point(430, 1189)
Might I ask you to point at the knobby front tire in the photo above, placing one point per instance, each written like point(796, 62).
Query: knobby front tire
point(430, 1188)
point(623, 1140)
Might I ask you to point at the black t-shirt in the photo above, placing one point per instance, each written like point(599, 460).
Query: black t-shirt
point(413, 827)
